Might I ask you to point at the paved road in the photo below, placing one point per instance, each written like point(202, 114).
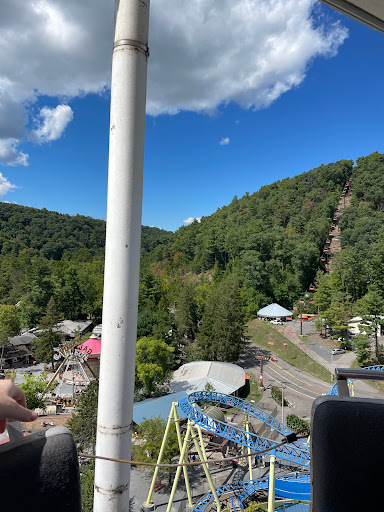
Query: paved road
point(300, 388)
point(35, 369)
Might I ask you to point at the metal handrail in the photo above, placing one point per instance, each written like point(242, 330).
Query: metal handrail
point(343, 374)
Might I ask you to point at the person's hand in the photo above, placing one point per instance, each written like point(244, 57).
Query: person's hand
point(12, 404)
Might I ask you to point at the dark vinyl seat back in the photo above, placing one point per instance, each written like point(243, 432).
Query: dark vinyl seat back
point(41, 472)
point(347, 454)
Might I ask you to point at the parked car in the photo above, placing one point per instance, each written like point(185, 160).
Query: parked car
point(276, 322)
point(337, 351)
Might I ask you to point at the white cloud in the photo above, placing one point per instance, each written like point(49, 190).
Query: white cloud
point(51, 123)
point(225, 141)
point(191, 219)
point(5, 185)
point(10, 154)
point(203, 53)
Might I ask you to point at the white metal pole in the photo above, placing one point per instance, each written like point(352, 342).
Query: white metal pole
point(122, 257)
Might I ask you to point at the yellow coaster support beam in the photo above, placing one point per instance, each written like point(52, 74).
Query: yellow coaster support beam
point(246, 428)
point(178, 471)
point(271, 485)
point(161, 453)
point(202, 455)
point(179, 438)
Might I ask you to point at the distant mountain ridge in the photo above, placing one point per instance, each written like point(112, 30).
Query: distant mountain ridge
point(270, 242)
point(51, 234)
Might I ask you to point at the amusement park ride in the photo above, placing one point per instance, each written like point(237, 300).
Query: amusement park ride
point(321, 486)
point(351, 481)
point(71, 371)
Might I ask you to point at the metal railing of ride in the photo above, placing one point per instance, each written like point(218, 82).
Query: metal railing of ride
point(334, 391)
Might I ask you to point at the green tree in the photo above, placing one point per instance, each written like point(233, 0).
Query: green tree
point(49, 337)
point(151, 433)
point(154, 360)
point(33, 387)
point(371, 308)
point(339, 312)
point(221, 335)
point(9, 325)
point(87, 481)
point(254, 507)
point(83, 423)
point(363, 349)
point(323, 294)
point(186, 316)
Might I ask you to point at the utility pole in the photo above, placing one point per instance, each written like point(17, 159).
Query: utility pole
point(301, 317)
point(282, 403)
point(122, 254)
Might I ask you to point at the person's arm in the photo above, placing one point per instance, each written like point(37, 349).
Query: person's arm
point(12, 404)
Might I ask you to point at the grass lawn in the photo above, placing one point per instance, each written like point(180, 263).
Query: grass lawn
point(251, 390)
point(261, 333)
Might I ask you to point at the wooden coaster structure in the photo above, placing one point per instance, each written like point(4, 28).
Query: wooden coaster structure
point(72, 356)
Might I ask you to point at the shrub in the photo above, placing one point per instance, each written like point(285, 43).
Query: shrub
point(277, 396)
point(295, 423)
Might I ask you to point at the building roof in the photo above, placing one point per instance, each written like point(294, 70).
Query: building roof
point(358, 319)
point(157, 407)
point(69, 327)
point(221, 377)
point(98, 329)
point(93, 345)
point(273, 311)
point(24, 339)
point(11, 352)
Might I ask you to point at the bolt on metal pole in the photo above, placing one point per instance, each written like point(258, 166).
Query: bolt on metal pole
point(122, 254)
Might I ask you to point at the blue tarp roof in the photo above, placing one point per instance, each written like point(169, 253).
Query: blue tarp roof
point(157, 407)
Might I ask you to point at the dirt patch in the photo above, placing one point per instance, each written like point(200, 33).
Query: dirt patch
point(57, 419)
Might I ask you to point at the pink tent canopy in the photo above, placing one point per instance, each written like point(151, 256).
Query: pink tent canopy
point(92, 344)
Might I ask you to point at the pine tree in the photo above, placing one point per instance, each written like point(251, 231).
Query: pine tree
point(83, 423)
point(186, 317)
point(371, 308)
point(221, 335)
point(9, 325)
point(49, 337)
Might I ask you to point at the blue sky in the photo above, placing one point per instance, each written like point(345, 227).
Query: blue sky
point(336, 111)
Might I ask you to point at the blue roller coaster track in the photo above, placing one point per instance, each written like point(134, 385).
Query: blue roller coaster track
point(297, 453)
point(290, 486)
point(285, 487)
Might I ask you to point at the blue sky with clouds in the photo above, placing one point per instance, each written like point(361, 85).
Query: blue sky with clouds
point(240, 94)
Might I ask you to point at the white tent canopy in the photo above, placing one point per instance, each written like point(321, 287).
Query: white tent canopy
point(221, 377)
point(273, 311)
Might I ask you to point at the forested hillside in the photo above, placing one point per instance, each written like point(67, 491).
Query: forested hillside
point(46, 254)
point(356, 284)
point(270, 240)
point(261, 248)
